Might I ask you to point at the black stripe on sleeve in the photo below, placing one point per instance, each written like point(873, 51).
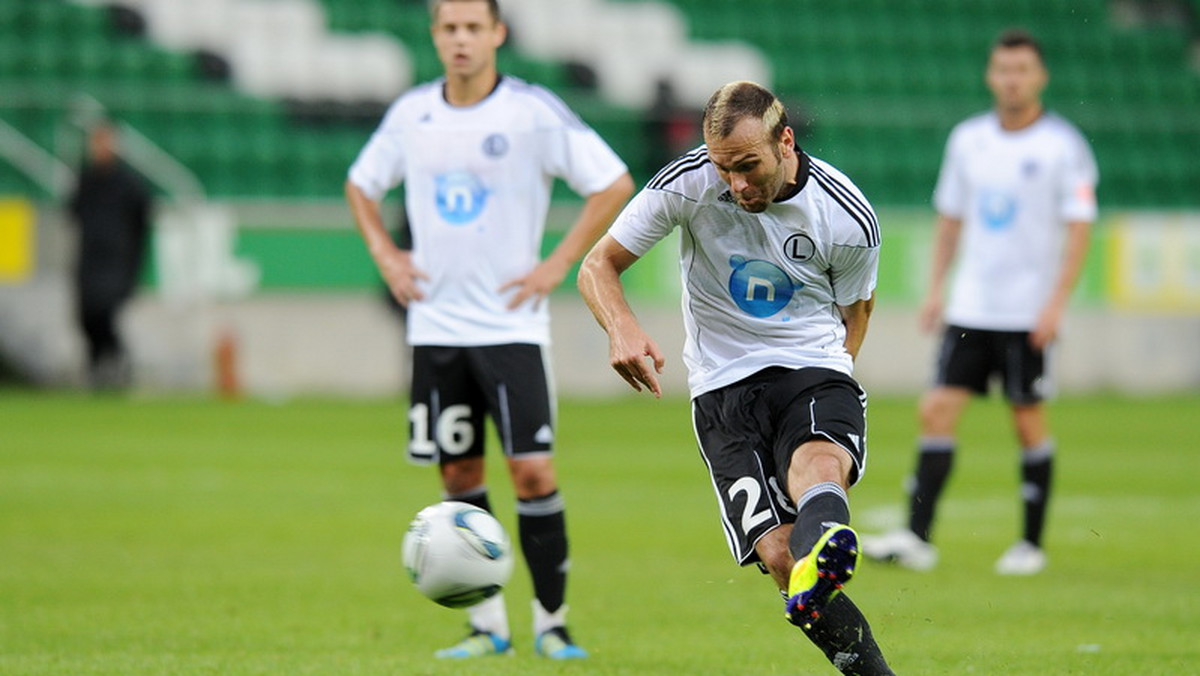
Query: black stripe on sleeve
point(691, 161)
point(858, 209)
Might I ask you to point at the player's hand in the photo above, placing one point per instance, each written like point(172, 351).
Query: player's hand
point(929, 318)
point(543, 279)
point(1046, 329)
point(401, 275)
point(628, 354)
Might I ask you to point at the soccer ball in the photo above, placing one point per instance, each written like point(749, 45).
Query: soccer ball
point(457, 554)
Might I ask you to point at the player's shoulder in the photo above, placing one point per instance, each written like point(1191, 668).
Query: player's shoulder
point(980, 123)
point(538, 101)
point(1057, 125)
point(851, 216)
point(690, 175)
point(413, 101)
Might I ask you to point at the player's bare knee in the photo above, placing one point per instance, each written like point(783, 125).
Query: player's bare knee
point(938, 413)
point(461, 476)
point(818, 462)
point(533, 478)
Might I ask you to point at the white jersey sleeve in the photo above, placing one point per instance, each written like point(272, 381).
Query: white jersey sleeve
point(570, 149)
point(380, 165)
point(651, 215)
point(951, 196)
point(1078, 180)
point(854, 238)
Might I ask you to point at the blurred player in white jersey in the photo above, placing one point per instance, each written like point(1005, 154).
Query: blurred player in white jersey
point(1015, 202)
point(478, 152)
point(779, 257)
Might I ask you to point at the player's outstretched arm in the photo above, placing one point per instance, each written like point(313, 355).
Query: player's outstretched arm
point(628, 345)
point(597, 214)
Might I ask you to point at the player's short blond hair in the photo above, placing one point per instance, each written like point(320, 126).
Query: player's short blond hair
point(736, 101)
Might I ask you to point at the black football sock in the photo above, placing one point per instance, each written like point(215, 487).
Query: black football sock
point(477, 497)
point(935, 459)
point(843, 634)
point(1037, 471)
point(543, 528)
point(819, 507)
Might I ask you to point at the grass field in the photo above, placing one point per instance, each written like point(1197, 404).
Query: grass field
point(206, 537)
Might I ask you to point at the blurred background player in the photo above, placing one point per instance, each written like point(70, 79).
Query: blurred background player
point(1015, 201)
point(111, 205)
point(780, 254)
point(478, 152)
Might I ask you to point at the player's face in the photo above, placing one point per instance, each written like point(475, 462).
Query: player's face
point(466, 37)
point(1016, 77)
point(751, 163)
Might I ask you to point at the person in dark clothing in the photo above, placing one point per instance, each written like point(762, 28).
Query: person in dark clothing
point(111, 206)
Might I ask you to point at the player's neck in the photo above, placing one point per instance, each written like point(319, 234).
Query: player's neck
point(467, 91)
point(1016, 119)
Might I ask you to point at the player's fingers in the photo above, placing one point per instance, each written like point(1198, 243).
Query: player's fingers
point(521, 296)
point(659, 360)
point(652, 383)
point(627, 377)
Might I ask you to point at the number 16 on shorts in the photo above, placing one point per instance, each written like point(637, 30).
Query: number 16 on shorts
point(452, 432)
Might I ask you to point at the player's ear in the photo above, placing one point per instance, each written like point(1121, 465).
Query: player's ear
point(501, 34)
point(787, 140)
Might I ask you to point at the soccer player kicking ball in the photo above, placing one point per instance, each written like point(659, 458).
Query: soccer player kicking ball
point(779, 256)
point(478, 152)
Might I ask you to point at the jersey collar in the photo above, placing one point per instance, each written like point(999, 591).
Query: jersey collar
point(801, 177)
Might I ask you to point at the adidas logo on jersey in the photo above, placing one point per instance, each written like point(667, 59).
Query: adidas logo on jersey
point(725, 197)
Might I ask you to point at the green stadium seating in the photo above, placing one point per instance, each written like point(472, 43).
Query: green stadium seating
point(883, 81)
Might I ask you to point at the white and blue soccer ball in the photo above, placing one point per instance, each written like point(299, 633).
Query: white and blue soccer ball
point(457, 554)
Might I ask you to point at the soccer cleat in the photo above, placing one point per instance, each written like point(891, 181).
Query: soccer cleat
point(901, 547)
point(556, 644)
point(478, 644)
point(820, 576)
point(1023, 558)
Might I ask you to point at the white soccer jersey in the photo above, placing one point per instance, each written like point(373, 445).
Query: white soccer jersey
point(1014, 191)
point(478, 182)
point(759, 289)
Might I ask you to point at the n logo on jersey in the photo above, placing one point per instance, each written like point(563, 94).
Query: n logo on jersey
point(460, 197)
point(997, 209)
point(759, 287)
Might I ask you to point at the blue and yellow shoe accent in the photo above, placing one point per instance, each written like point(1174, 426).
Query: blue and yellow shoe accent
point(556, 644)
point(477, 644)
point(819, 577)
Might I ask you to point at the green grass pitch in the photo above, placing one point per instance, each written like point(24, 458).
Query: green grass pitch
point(205, 537)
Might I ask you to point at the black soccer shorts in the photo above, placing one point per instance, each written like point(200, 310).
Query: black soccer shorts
point(748, 431)
point(455, 388)
point(971, 358)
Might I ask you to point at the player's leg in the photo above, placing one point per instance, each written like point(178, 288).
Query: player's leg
point(962, 369)
point(1025, 386)
point(939, 412)
point(517, 383)
point(446, 427)
point(830, 420)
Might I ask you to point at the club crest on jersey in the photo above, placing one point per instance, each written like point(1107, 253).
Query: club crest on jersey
point(759, 287)
point(495, 145)
point(997, 209)
point(799, 247)
point(460, 196)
